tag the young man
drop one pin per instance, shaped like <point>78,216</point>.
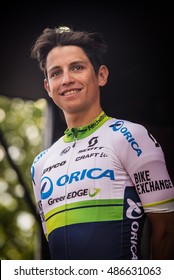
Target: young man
<point>97,183</point>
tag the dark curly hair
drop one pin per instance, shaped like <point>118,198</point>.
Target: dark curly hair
<point>92,44</point>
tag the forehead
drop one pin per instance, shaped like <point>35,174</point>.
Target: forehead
<point>65,55</point>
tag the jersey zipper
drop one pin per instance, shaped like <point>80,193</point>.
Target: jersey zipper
<point>75,140</point>
<point>67,245</point>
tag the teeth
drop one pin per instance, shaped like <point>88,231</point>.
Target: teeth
<point>71,92</point>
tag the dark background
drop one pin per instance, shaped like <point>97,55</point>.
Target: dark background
<point>140,58</point>
<point>139,35</point>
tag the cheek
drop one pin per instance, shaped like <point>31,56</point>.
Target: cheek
<point>90,80</point>
<point>93,83</point>
<point>53,86</point>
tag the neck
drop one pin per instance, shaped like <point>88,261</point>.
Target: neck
<point>75,120</point>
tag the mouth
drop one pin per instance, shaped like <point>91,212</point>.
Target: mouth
<point>70,92</point>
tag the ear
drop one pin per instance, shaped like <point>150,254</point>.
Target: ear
<point>47,87</point>
<point>103,74</point>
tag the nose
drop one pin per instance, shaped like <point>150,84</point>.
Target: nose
<point>67,78</point>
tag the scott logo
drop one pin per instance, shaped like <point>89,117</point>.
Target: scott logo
<point>93,141</point>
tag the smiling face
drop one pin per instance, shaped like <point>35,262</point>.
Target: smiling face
<point>72,83</point>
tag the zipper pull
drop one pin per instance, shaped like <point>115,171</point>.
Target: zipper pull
<point>75,138</point>
<point>75,132</point>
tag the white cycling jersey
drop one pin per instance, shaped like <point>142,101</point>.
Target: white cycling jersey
<point>94,185</point>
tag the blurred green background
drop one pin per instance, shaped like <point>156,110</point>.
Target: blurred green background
<point>22,125</point>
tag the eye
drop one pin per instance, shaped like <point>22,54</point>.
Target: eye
<point>56,73</point>
<point>77,67</point>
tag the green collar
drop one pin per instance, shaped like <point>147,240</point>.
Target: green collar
<point>81,132</point>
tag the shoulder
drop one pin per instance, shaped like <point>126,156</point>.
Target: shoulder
<point>134,138</point>
<point>127,128</point>
<point>42,156</point>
